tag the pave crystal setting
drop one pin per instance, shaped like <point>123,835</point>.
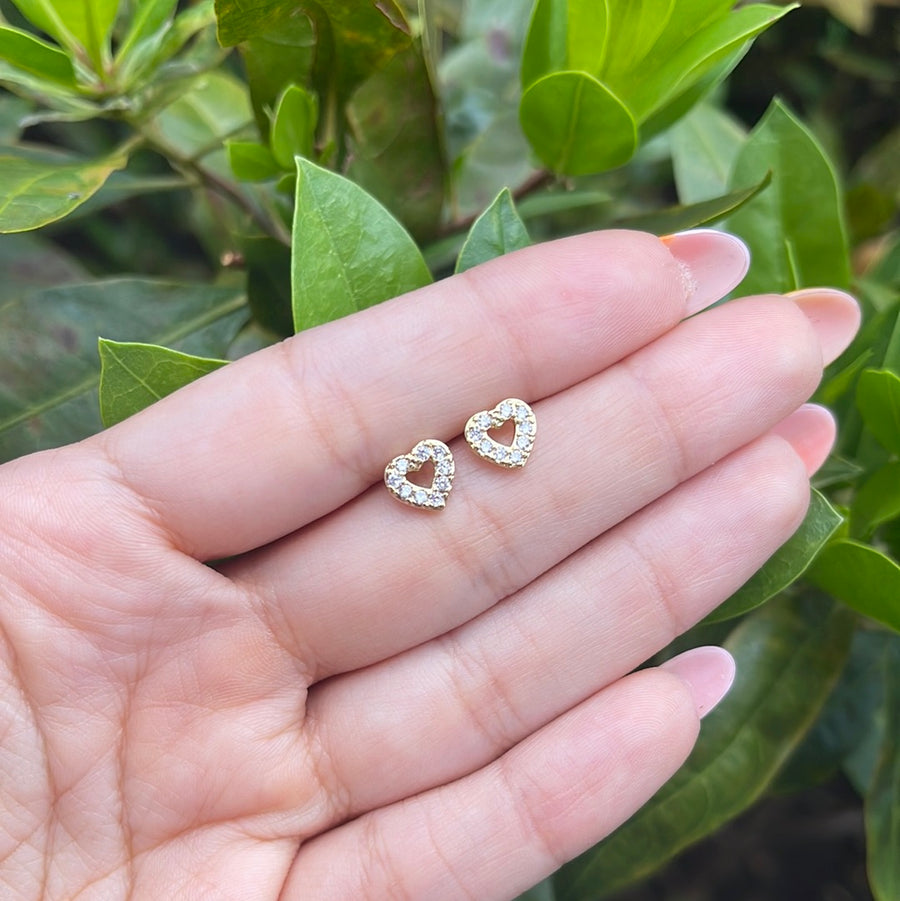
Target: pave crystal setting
<point>432,498</point>
<point>511,456</point>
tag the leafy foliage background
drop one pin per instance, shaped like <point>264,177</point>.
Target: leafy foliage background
<point>191,181</point>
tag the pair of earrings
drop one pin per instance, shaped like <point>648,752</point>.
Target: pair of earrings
<point>510,456</point>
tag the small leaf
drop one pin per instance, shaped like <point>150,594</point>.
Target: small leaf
<point>35,191</point>
<point>497,231</point>
<point>878,400</point>
<point>133,376</point>
<point>349,252</point>
<point>26,52</point>
<point>863,578</point>
<point>787,564</point>
<point>250,161</point>
<point>789,656</point>
<point>49,370</point>
<point>74,23</point>
<point>794,229</point>
<point>148,18</point>
<point>882,809</point>
<point>876,502</point>
<point>705,144</point>
<point>681,218</point>
<point>576,125</point>
<point>294,125</point>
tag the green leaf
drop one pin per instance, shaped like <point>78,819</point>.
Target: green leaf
<point>789,656</point>
<point>681,218</point>
<point>878,400</point>
<point>349,253</point>
<point>648,88</point>
<point>12,111</point>
<point>787,564</point>
<point>705,144</point>
<point>75,23</point>
<point>149,17</point>
<point>26,52</point>
<point>35,191</point>
<point>49,370</point>
<point>882,810</point>
<point>497,231</point>
<point>395,142</point>
<point>211,108</point>
<point>863,578</point>
<point>360,35</point>
<point>30,261</point>
<point>634,26</point>
<point>133,376</point>
<point>576,125</point>
<point>876,502</point>
<point>795,229</point>
<point>250,161</point>
<point>294,125</point>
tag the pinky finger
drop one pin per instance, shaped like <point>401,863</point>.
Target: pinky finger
<point>500,830</point>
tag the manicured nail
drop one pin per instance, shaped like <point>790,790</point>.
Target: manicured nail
<point>835,316</point>
<point>708,673</point>
<point>713,264</point>
<point>810,431</point>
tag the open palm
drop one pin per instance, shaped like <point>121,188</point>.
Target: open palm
<point>361,700</point>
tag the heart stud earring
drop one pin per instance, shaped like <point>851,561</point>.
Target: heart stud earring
<point>433,498</point>
<point>511,456</point>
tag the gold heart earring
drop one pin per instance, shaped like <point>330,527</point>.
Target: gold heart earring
<point>514,455</point>
<point>432,498</point>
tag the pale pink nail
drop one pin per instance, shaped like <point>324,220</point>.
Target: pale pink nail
<point>810,431</point>
<point>835,316</point>
<point>708,672</point>
<point>713,264</point>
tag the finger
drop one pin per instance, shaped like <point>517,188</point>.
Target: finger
<point>502,829</point>
<point>608,447</point>
<point>278,439</point>
<point>460,701</point>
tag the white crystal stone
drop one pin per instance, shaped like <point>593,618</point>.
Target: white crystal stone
<point>421,495</point>
<point>439,452</point>
<point>422,453</point>
<point>476,435</point>
<point>486,445</point>
<point>527,428</point>
<point>406,491</point>
<point>502,454</point>
<point>395,481</point>
<point>402,466</point>
<point>517,456</point>
<point>506,410</point>
<point>521,413</point>
<point>442,483</point>
<point>523,441</point>
<point>435,500</point>
<point>483,420</point>
<point>444,468</point>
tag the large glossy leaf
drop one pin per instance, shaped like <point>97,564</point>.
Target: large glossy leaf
<point>396,143</point>
<point>883,798</point>
<point>349,252</point>
<point>789,655</point>
<point>497,231</point>
<point>878,400</point>
<point>862,577</point>
<point>28,53</point>
<point>633,27</point>
<point>705,144</point>
<point>37,190</point>
<point>787,564</point>
<point>30,261</point>
<point>361,36</point>
<point>75,22</point>
<point>49,369</point>
<point>794,229</point>
<point>134,376</point>
<point>576,125</point>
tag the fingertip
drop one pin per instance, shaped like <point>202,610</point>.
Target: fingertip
<point>708,673</point>
<point>811,432</point>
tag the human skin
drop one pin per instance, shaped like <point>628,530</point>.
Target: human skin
<point>360,700</point>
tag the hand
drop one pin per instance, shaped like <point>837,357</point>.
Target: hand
<point>366,701</point>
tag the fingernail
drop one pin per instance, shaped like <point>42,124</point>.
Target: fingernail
<point>713,263</point>
<point>810,431</point>
<point>835,316</point>
<point>708,673</point>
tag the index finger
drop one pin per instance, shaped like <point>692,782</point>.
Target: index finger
<point>278,439</point>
